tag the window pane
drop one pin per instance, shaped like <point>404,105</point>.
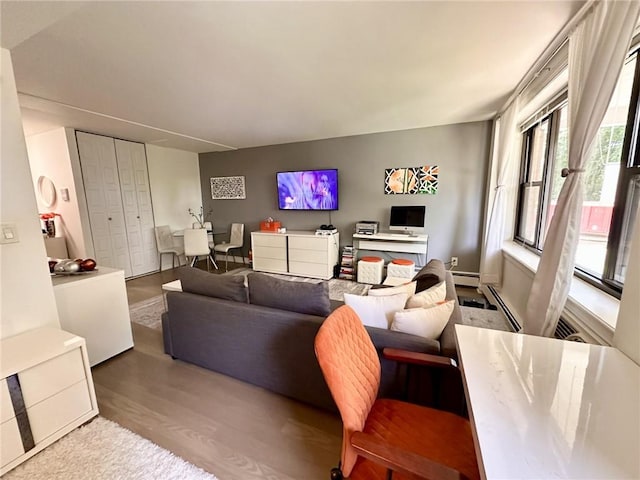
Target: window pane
<point>529,213</point>
<point>560,161</point>
<point>538,152</point>
<point>601,177</point>
<point>630,209</point>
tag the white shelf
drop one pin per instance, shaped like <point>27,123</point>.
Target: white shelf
<point>393,242</point>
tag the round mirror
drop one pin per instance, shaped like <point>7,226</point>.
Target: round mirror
<point>47,191</point>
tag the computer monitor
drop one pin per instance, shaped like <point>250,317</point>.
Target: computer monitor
<point>409,219</point>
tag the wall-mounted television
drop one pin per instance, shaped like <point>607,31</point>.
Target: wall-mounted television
<point>407,218</point>
<point>308,190</point>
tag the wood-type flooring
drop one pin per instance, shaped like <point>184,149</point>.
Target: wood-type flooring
<point>229,428</point>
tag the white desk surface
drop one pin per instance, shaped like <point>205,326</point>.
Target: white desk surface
<point>543,408</point>
<point>392,237</point>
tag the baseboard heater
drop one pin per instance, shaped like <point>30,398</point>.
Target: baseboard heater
<point>466,279</point>
<point>564,330</point>
<point>507,313</point>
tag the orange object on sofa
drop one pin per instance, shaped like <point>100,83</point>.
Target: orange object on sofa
<point>270,226</point>
<point>427,440</point>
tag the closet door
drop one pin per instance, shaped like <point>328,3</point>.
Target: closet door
<point>136,202</point>
<point>104,200</point>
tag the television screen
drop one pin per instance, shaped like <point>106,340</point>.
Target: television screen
<point>308,190</point>
<point>407,217</point>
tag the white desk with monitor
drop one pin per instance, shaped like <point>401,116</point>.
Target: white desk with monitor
<point>548,408</point>
<point>394,242</point>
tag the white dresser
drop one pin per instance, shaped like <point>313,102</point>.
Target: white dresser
<point>46,390</point>
<point>297,253</point>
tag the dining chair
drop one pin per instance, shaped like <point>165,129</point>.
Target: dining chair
<point>164,242</point>
<point>236,241</point>
<point>381,436</point>
<point>196,244</point>
<point>209,227</point>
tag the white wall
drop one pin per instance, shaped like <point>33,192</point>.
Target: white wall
<point>26,293</point>
<point>174,176</point>
<point>627,336</point>
<point>49,156</point>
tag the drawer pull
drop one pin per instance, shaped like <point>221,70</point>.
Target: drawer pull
<point>15,392</point>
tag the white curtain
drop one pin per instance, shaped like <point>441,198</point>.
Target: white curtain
<point>597,50</point>
<point>491,262</point>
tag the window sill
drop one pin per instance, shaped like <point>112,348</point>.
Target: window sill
<point>591,309</point>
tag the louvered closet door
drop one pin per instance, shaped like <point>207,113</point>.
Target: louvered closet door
<point>104,200</point>
<point>136,201</point>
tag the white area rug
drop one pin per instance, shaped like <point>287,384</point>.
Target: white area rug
<point>103,450</point>
<point>148,312</point>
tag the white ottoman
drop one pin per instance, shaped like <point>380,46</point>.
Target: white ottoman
<point>370,270</point>
<point>401,268</point>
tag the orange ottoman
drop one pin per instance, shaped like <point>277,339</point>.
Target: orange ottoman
<point>401,268</point>
<point>370,270</point>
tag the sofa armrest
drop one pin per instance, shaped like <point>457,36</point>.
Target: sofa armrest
<point>401,461</point>
<point>416,358</point>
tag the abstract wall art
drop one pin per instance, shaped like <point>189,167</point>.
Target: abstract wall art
<point>228,188</point>
<point>411,180</point>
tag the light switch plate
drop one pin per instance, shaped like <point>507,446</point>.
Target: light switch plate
<point>8,233</point>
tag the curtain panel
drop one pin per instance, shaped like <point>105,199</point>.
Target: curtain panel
<point>597,50</point>
<point>491,261</point>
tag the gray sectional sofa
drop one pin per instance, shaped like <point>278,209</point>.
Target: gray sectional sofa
<point>264,333</point>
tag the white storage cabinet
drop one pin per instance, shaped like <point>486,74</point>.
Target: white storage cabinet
<point>46,391</point>
<point>94,305</point>
<point>297,253</point>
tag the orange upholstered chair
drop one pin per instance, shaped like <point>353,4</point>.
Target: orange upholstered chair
<point>386,435</point>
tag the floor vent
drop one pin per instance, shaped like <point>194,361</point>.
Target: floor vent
<point>503,307</point>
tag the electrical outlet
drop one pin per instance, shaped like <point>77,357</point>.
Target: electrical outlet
<point>454,262</point>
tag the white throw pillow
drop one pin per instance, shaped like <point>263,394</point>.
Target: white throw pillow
<point>429,297</point>
<point>376,311</point>
<point>408,288</point>
<point>425,322</point>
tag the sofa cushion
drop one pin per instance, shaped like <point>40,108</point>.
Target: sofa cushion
<point>408,288</point>
<point>428,297</point>
<point>227,287</point>
<point>431,274</point>
<point>293,296</point>
<point>376,311</point>
<point>425,322</point>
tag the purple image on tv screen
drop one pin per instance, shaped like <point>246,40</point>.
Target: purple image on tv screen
<point>308,190</point>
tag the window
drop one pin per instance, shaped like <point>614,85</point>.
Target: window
<point>611,182</point>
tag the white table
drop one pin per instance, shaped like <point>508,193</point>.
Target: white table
<point>544,408</point>
<point>394,242</point>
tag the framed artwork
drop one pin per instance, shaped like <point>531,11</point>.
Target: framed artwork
<point>411,180</point>
<point>228,188</point>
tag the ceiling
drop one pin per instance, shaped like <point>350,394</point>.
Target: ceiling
<point>212,76</point>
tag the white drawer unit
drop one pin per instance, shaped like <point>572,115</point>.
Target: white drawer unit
<point>269,252</point>
<point>297,253</point>
<point>46,390</point>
